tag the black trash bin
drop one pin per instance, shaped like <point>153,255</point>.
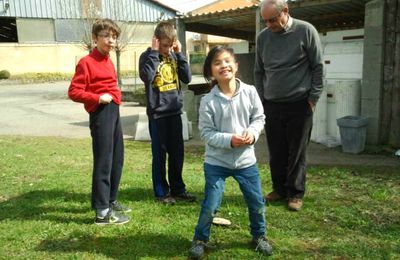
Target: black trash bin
<point>353,133</point>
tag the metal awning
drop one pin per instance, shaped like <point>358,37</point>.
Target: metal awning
<point>325,15</point>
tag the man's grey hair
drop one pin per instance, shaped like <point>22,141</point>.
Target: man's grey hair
<point>279,4</point>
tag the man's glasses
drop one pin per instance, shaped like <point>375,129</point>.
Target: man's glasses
<point>273,19</point>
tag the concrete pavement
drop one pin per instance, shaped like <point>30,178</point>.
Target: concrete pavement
<point>45,110</point>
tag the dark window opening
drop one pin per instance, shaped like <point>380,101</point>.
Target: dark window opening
<point>8,29</point>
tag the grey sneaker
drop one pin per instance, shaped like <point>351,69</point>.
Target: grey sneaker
<point>261,245</point>
<point>198,249</point>
<point>112,218</point>
<point>116,206</point>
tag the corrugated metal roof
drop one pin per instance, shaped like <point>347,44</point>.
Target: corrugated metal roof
<point>325,15</point>
<point>223,5</point>
<point>127,10</point>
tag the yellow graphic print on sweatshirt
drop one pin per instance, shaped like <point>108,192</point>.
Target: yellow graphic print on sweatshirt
<point>166,76</point>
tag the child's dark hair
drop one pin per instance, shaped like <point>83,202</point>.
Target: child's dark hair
<point>165,30</point>
<point>209,59</point>
<point>105,24</point>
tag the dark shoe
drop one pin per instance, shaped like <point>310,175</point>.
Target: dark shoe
<point>112,218</point>
<point>273,196</point>
<point>166,200</point>
<point>116,206</point>
<point>295,204</point>
<point>185,196</point>
<point>261,245</point>
<point>198,249</point>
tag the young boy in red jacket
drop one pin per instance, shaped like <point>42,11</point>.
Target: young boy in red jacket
<point>95,85</point>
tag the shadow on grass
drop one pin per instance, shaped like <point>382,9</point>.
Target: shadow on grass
<point>59,205</point>
<point>52,205</point>
<point>135,194</point>
<point>120,247</point>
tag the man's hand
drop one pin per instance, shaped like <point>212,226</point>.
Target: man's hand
<point>105,99</point>
<point>155,43</point>
<point>312,105</point>
<point>177,46</point>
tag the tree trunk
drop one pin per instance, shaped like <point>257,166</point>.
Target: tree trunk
<point>118,55</point>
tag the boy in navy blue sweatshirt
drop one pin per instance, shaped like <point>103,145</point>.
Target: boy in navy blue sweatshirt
<point>162,66</point>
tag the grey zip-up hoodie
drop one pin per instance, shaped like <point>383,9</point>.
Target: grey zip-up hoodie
<point>220,117</point>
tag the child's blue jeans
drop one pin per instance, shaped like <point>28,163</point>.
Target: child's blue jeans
<point>250,185</point>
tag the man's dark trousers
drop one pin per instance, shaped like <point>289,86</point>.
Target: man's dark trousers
<point>166,138</point>
<point>108,154</point>
<point>288,128</point>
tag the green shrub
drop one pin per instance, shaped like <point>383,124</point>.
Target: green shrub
<point>4,74</point>
<point>39,77</point>
<point>197,57</point>
<point>132,93</point>
<point>128,73</point>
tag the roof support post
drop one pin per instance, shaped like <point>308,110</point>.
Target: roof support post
<point>181,33</point>
<point>259,23</point>
<point>373,68</point>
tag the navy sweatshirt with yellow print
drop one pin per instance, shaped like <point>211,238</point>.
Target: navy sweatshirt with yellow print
<point>161,77</point>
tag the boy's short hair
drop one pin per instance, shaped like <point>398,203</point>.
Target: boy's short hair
<point>105,24</point>
<point>165,30</point>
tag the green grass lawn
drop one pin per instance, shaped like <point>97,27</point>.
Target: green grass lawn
<point>349,212</point>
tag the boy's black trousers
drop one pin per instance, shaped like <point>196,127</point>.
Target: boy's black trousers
<point>288,128</point>
<point>108,154</point>
<point>166,138</point>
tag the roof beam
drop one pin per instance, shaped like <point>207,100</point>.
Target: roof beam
<point>308,3</point>
<point>215,30</point>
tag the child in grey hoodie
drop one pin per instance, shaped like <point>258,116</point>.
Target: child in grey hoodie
<point>231,118</point>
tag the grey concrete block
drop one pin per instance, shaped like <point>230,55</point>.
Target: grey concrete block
<point>370,88</point>
<point>372,138</point>
<point>374,13</point>
<point>142,127</point>
<point>189,105</point>
<point>371,108</point>
<point>185,126</point>
<point>374,36</point>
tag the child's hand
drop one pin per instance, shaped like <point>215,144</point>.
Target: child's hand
<point>237,141</point>
<point>248,137</point>
<point>177,46</point>
<point>105,99</point>
<point>155,43</point>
